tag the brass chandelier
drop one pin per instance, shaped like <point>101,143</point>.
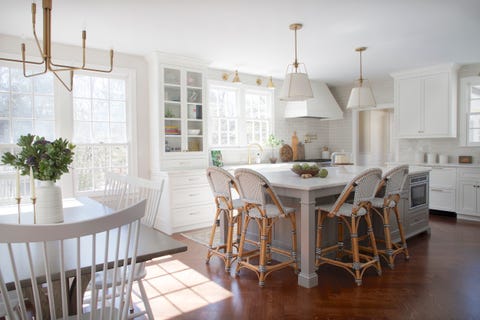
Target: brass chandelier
<point>46,50</point>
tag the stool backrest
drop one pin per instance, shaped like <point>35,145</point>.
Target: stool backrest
<point>221,183</point>
<point>33,255</point>
<point>255,188</point>
<point>364,187</point>
<point>395,179</point>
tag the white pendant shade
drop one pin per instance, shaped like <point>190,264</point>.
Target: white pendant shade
<point>361,96</point>
<point>296,87</point>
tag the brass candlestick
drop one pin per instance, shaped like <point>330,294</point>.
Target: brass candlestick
<point>34,200</point>
<point>19,199</point>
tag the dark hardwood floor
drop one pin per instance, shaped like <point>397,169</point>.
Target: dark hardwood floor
<point>440,281</point>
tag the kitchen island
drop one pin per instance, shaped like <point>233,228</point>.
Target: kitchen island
<point>304,194</point>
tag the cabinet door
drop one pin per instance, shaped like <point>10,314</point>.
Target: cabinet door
<point>436,105</point>
<point>409,107</point>
<point>468,197</point>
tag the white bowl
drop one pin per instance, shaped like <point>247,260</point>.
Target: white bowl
<point>193,131</point>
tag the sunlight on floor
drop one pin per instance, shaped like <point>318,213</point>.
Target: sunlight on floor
<point>174,288</point>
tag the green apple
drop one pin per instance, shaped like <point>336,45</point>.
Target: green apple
<point>323,173</point>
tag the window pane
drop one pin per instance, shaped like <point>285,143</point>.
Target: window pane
<point>82,109</point>
<point>100,156</point>
<point>100,88</point>
<point>475,105</point>
<point>45,129</point>
<point>100,110</point>
<point>99,179</point>
<point>82,132</point>
<point>475,121</point>
<point>4,105</point>
<point>84,180</point>
<point>4,79</point>
<point>118,132</point>
<point>119,156</point>
<point>22,106</point>
<point>82,88</point>
<point>43,84</point>
<point>474,135</point>
<point>5,131</point>
<point>117,89</point>
<point>19,83</point>
<point>117,111</point>
<point>100,131</point>
<point>475,92</point>
<point>44,107</point>
<point>21,127</point>
<point>83,156</point>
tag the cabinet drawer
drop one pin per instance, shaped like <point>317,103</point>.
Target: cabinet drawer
<point>192,216</point>
<point>188,181</point>
<point>469,174</point>
<point>179,164</point>
<point>192,196</point>
<point>442,199</point>
<point>443,177</point>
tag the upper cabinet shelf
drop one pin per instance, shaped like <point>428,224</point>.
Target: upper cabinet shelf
<point>426,102</point>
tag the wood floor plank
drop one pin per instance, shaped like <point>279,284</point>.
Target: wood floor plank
<point>440,281</point>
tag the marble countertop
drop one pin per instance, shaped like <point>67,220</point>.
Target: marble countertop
<point>446,165</point>
<point>280,175</point>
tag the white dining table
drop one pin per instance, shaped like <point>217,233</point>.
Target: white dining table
<point>152,243</point>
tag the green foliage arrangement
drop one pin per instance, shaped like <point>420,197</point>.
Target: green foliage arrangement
<point>273,141</point>
<point>48,159</point>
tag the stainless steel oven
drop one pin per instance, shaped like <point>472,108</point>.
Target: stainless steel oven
<point>418,191</point>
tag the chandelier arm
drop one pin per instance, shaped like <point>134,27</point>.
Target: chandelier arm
<point>296,61</point>
<point>21,61</point>
<point>84,40</point>
<point>63,82</point>
<point>25,67</point>
<point>34,13</point>
<point>66,67</point>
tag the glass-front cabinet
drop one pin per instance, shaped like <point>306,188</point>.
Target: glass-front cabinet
<point>177,112</point>
<point>183,110</point>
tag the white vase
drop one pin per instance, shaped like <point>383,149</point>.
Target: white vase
<point>49,207</point>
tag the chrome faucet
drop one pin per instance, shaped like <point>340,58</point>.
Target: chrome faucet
<point>250,147</point>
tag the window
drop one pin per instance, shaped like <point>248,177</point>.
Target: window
<point>239,115</point>
<point>26,106</point>
<point>100,130</point>
<point>470,115</point>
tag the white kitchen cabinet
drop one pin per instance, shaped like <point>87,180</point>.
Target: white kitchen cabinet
<point>177,112</point>
<point>468,193</point>
<point>426,102</point>
<point>187,202</point>
<point>443,188</point>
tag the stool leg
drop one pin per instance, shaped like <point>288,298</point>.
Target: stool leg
<point>373,242</point>
<point>229,255</point>
<point>216,221</point>
<point>239,220</point>
<point>263,252</point>
<point>294,240</point>
<point>388,238</point>
<point>242,243</point>
<point>340,242</point>
<point>268,254</point>
<point>320,226</point>
<point>402,233</point>
<point>356,265</point>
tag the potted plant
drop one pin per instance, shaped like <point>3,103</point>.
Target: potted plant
<point>45,161</point>
<point>273,142</point>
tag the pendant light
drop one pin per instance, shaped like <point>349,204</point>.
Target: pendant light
<point>361,96</point>
<point>296,86</point>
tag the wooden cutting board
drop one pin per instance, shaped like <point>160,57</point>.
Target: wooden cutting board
<point>286,153</point>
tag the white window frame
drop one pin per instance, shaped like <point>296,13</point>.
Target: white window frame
<point>63,102</point>
<point>241,91</point>
<point>465,85</point>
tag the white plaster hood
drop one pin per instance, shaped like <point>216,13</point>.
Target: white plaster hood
<point>322,106</point>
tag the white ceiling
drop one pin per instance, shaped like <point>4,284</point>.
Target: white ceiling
<point>253,35</point>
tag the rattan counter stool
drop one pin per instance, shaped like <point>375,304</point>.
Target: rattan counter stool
<point>221,183</point>
<point>263,206</point>
<point>363,188</point>
<point>391,185</point>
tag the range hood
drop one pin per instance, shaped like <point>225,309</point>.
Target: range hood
<point>322,106</point>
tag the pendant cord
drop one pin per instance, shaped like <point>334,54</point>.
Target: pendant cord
<point>296,62</point>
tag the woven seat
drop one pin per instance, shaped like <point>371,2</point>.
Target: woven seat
<point>221,183</point>
<point>263,205</point>
<point>363,186</point>
<point>393,182</point>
